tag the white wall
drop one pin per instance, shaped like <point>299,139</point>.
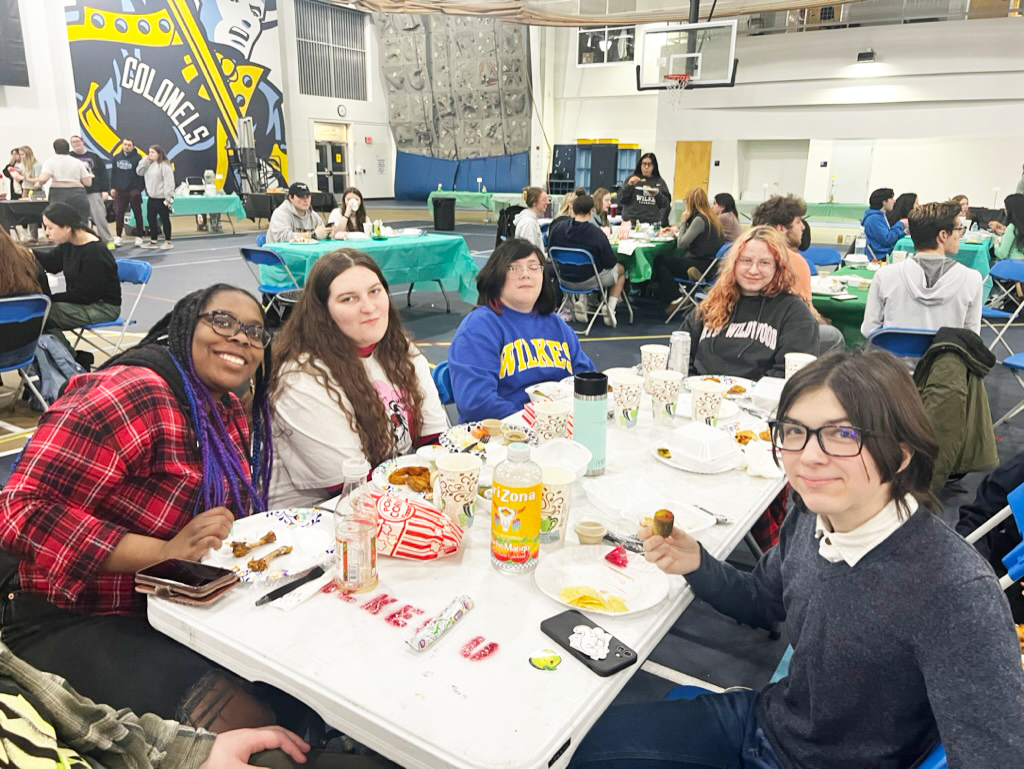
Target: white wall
<point>46,109</point>
<point>365,118</point>
<point>944,104</point>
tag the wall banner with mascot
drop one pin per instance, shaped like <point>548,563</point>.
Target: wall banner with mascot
<point>180,73</point>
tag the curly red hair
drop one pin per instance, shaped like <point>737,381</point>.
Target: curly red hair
<point>725,293</point>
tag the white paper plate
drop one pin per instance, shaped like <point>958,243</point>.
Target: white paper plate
<point>640,585</point>
<point>732,381</point>
<point>550,391</point>
<point>456,438</point>
<point>681,462</point>
<point>379,477</point>
<point>299,527</point>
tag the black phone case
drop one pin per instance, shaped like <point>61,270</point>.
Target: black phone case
<point>561,626</point>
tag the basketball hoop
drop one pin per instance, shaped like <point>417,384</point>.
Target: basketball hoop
<point>676,85</point>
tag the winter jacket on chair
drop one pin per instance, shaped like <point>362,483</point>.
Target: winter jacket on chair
<point>951,380</point>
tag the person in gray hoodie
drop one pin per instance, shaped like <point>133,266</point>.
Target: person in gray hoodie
<point>156,169</point>
<point>928,290</point>
<point>296,216</point>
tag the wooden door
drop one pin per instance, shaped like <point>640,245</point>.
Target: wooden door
<point>693,165</point>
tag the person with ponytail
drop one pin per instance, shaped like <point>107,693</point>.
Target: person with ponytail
<point>151,457</point>
<point>349,383</point>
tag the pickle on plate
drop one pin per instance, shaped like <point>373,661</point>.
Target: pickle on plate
<point>663,521</point>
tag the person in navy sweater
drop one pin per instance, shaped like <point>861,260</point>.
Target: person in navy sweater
<point>514,339</point>
<point>880,236</point>
<point>901,635</point>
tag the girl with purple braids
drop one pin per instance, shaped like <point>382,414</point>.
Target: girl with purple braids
<point>151,457</point>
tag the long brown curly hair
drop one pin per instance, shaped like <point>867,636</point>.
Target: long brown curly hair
<point>312,343</point>
<point>19,274</point>
<point>725,293</point>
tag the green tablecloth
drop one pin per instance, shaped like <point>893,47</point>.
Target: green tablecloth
<point>846,315</point>
<point>463,199</point>
<point>403,260</point>
<point>638,264</point>
<point>193,205</point>
<point>977,256</point>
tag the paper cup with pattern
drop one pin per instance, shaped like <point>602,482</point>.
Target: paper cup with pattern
<point>456,486</point>
<point>706,400</point>
<point>653,357</point>
<point>626,389</point>
<point>664,394</point>
<point>551,419</point>
<point>554,504</point>
<point>796,361</point>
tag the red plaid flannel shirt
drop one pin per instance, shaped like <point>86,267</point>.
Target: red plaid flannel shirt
<point>115,455</point>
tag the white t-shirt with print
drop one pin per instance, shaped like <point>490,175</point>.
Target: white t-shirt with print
<point>312,437</point>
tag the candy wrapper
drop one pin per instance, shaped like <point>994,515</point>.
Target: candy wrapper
<point>415,530</point>
<point>437,626</point>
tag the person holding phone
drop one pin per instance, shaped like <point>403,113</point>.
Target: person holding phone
<point>883,604</point>
<point>349,216</point>
<point>151,457</point>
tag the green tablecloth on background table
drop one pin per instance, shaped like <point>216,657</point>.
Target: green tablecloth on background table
<point>193,205</point>
<point>462,199</point>
<point>977,256</point>
<point>403,260</point>
<point>846,315</point>
<point>638,264</point>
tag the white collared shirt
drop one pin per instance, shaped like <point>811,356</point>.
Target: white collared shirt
<point>852,546</point>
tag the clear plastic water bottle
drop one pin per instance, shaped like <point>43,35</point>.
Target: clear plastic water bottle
<point>515,512</point>
<point>355,531</point>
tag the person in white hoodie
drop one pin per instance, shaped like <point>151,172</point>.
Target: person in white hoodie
<point>929,289</point>
<point>156,169</point>
<point>527,221</point>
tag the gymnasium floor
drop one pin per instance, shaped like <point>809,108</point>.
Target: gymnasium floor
<point>702,644</point>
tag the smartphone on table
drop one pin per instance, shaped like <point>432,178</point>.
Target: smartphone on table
<point>591,644</point>
<point>189,582</point>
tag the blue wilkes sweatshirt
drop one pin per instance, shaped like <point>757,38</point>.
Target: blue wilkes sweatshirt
<point>494,358</point>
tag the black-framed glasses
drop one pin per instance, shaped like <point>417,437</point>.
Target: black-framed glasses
<point>961,229</point>
<point>227,325</point>
<point>834,440</point>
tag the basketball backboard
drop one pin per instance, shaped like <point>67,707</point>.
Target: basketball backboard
<point>706,51</point>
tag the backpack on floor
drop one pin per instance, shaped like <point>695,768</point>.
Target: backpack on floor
<point>55,365</point>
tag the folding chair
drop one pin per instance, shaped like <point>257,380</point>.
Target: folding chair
<point>264,257</point>
<point>133,272</point>
<point>821,256</point>
<point>689,289</point>
<point>1010,272</point>
<point>579,257</point>
<point>902,342</point>
<point>443,382</point>
<point>14,312</point>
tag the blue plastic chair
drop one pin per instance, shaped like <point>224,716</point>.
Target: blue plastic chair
<point>1011,273</point>
<point>822,256</point>
<point>443,382</point>
<point>134,272</point>
<point>261,240</point>
<point>17,310</point>
<point>723,251</point>
<point>257,257</point>
<point>902,342</point>
<point>562,256</point>
<point>814,269</point>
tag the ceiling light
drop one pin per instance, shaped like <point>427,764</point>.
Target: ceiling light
<point>866,56</point>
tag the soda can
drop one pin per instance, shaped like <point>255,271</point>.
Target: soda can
<point>679,352</point>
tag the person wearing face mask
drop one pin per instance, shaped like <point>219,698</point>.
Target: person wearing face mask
<point>514,339</point>
<point>883,605</point>
<point>349,382</point>
<point>751,318</point>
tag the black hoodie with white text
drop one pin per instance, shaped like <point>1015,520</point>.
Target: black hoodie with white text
<point>754,342</point>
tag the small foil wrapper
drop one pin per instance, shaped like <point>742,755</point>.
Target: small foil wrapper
<point>437,626</point>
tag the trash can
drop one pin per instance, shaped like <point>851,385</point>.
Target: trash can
<point>444,214</point>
